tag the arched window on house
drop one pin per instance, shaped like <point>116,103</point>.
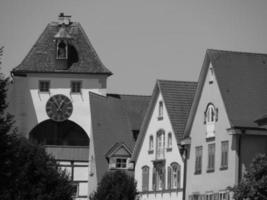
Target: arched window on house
<point>174,176</point>
<point>169,143</point>
<point>151,144</point>
<point>145,178</point>
<point>160,117</point>
<point>160,145</point>
<point>211,116</point>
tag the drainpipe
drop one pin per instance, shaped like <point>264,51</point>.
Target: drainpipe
<point>185,170</point>
<point>240,156</point>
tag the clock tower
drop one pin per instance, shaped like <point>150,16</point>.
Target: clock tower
<point>50,95</point>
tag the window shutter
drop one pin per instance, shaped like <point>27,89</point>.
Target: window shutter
<point>154,179</point>
<point>217,114</point>
<point>169,177</point>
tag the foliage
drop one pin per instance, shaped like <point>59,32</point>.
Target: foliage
<point>26,171</point>
<point>115,185</point>
<point>254,183</point>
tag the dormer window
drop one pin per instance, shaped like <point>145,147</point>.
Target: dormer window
<point>62,50</point>
<point>211,116</point>
<point>160,117</point>
<point>44,86</point>
<point>121,163</point>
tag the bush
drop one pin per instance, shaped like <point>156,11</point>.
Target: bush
<point>115,185</point>
<point>254,183</point>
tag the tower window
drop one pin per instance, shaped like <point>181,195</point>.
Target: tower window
<point>76,86</point>
<point>62,50</point>
<point>44,86</point>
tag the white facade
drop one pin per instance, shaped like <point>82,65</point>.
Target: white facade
<point>219,179</point>
<point>167,154</point>
<point>28,105</point>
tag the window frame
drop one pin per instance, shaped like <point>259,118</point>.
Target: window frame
<point>211,157</point>
<point>151,144</point>
<point>198,159</point>
<point>169,141</point>
<point>145,188</point>
<point>174,179</point>
<point>72,84</point>
<point>40,84</point>
<point>160,139</point>
<point>224,154</point>
<point>160,110</point>
<point>117,162</point>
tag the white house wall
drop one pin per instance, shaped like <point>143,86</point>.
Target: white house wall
<point>145,159</point>
<point>219,179</point>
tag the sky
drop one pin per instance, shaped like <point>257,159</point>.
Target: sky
<point>141,41</point>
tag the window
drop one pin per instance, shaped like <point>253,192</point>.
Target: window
<point>145,178</point>
<point>61,50</point>
<point>121,163</point>
<point>174,176</point>
<point>211,75</point>
<point>211,157</point>
<point>210,117</point>
<point>224,160</point>
<point>76,189</point>
<point>151,144</point>
<point>76,86</point>
<point>198,162</point>
<point>160,145</point>
<point>160,110</point>
<point>159,176</point>
<point>169,144</point>
<point>44,86</point>
<point>224,195</point>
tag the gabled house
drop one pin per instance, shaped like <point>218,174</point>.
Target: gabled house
<point>226,126</point>
<point>158,163</point>
<point>116,121</point>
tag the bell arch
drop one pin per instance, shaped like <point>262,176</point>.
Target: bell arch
<point>67,133</point>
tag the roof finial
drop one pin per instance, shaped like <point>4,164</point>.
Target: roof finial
<point>64,19</point>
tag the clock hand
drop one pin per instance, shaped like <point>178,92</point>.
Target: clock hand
<point>60,105</point>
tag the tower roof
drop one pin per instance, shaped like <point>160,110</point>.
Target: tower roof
<point>42,56</point>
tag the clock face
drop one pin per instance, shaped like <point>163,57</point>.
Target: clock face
<point>59,108</point>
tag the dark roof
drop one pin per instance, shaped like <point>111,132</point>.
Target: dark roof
<point>178,97</point>
<point>42,56</point>
<point>113,119</point>
<point>242,80</point>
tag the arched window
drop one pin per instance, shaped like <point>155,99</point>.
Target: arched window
<point>151,143</point>
<point>145,178</point>
<point>160,117</point>
<point>160,145</point>
<point>211,116</point>
<point>61,50</point>
<point>174,176</point>
<point>169,144</point>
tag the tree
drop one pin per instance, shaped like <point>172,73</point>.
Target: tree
<point>26,171</point>
<point>254,183</point>
<point>115,185</point>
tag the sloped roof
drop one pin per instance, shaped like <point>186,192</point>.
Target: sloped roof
<point>242,80</point>
<point>112,123</point>
<point>178,97</point>
<point>42,56</point>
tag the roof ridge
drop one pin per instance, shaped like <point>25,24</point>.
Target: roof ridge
<point>141,95</point>
<point>236,52</point>
<point>177,81</point>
